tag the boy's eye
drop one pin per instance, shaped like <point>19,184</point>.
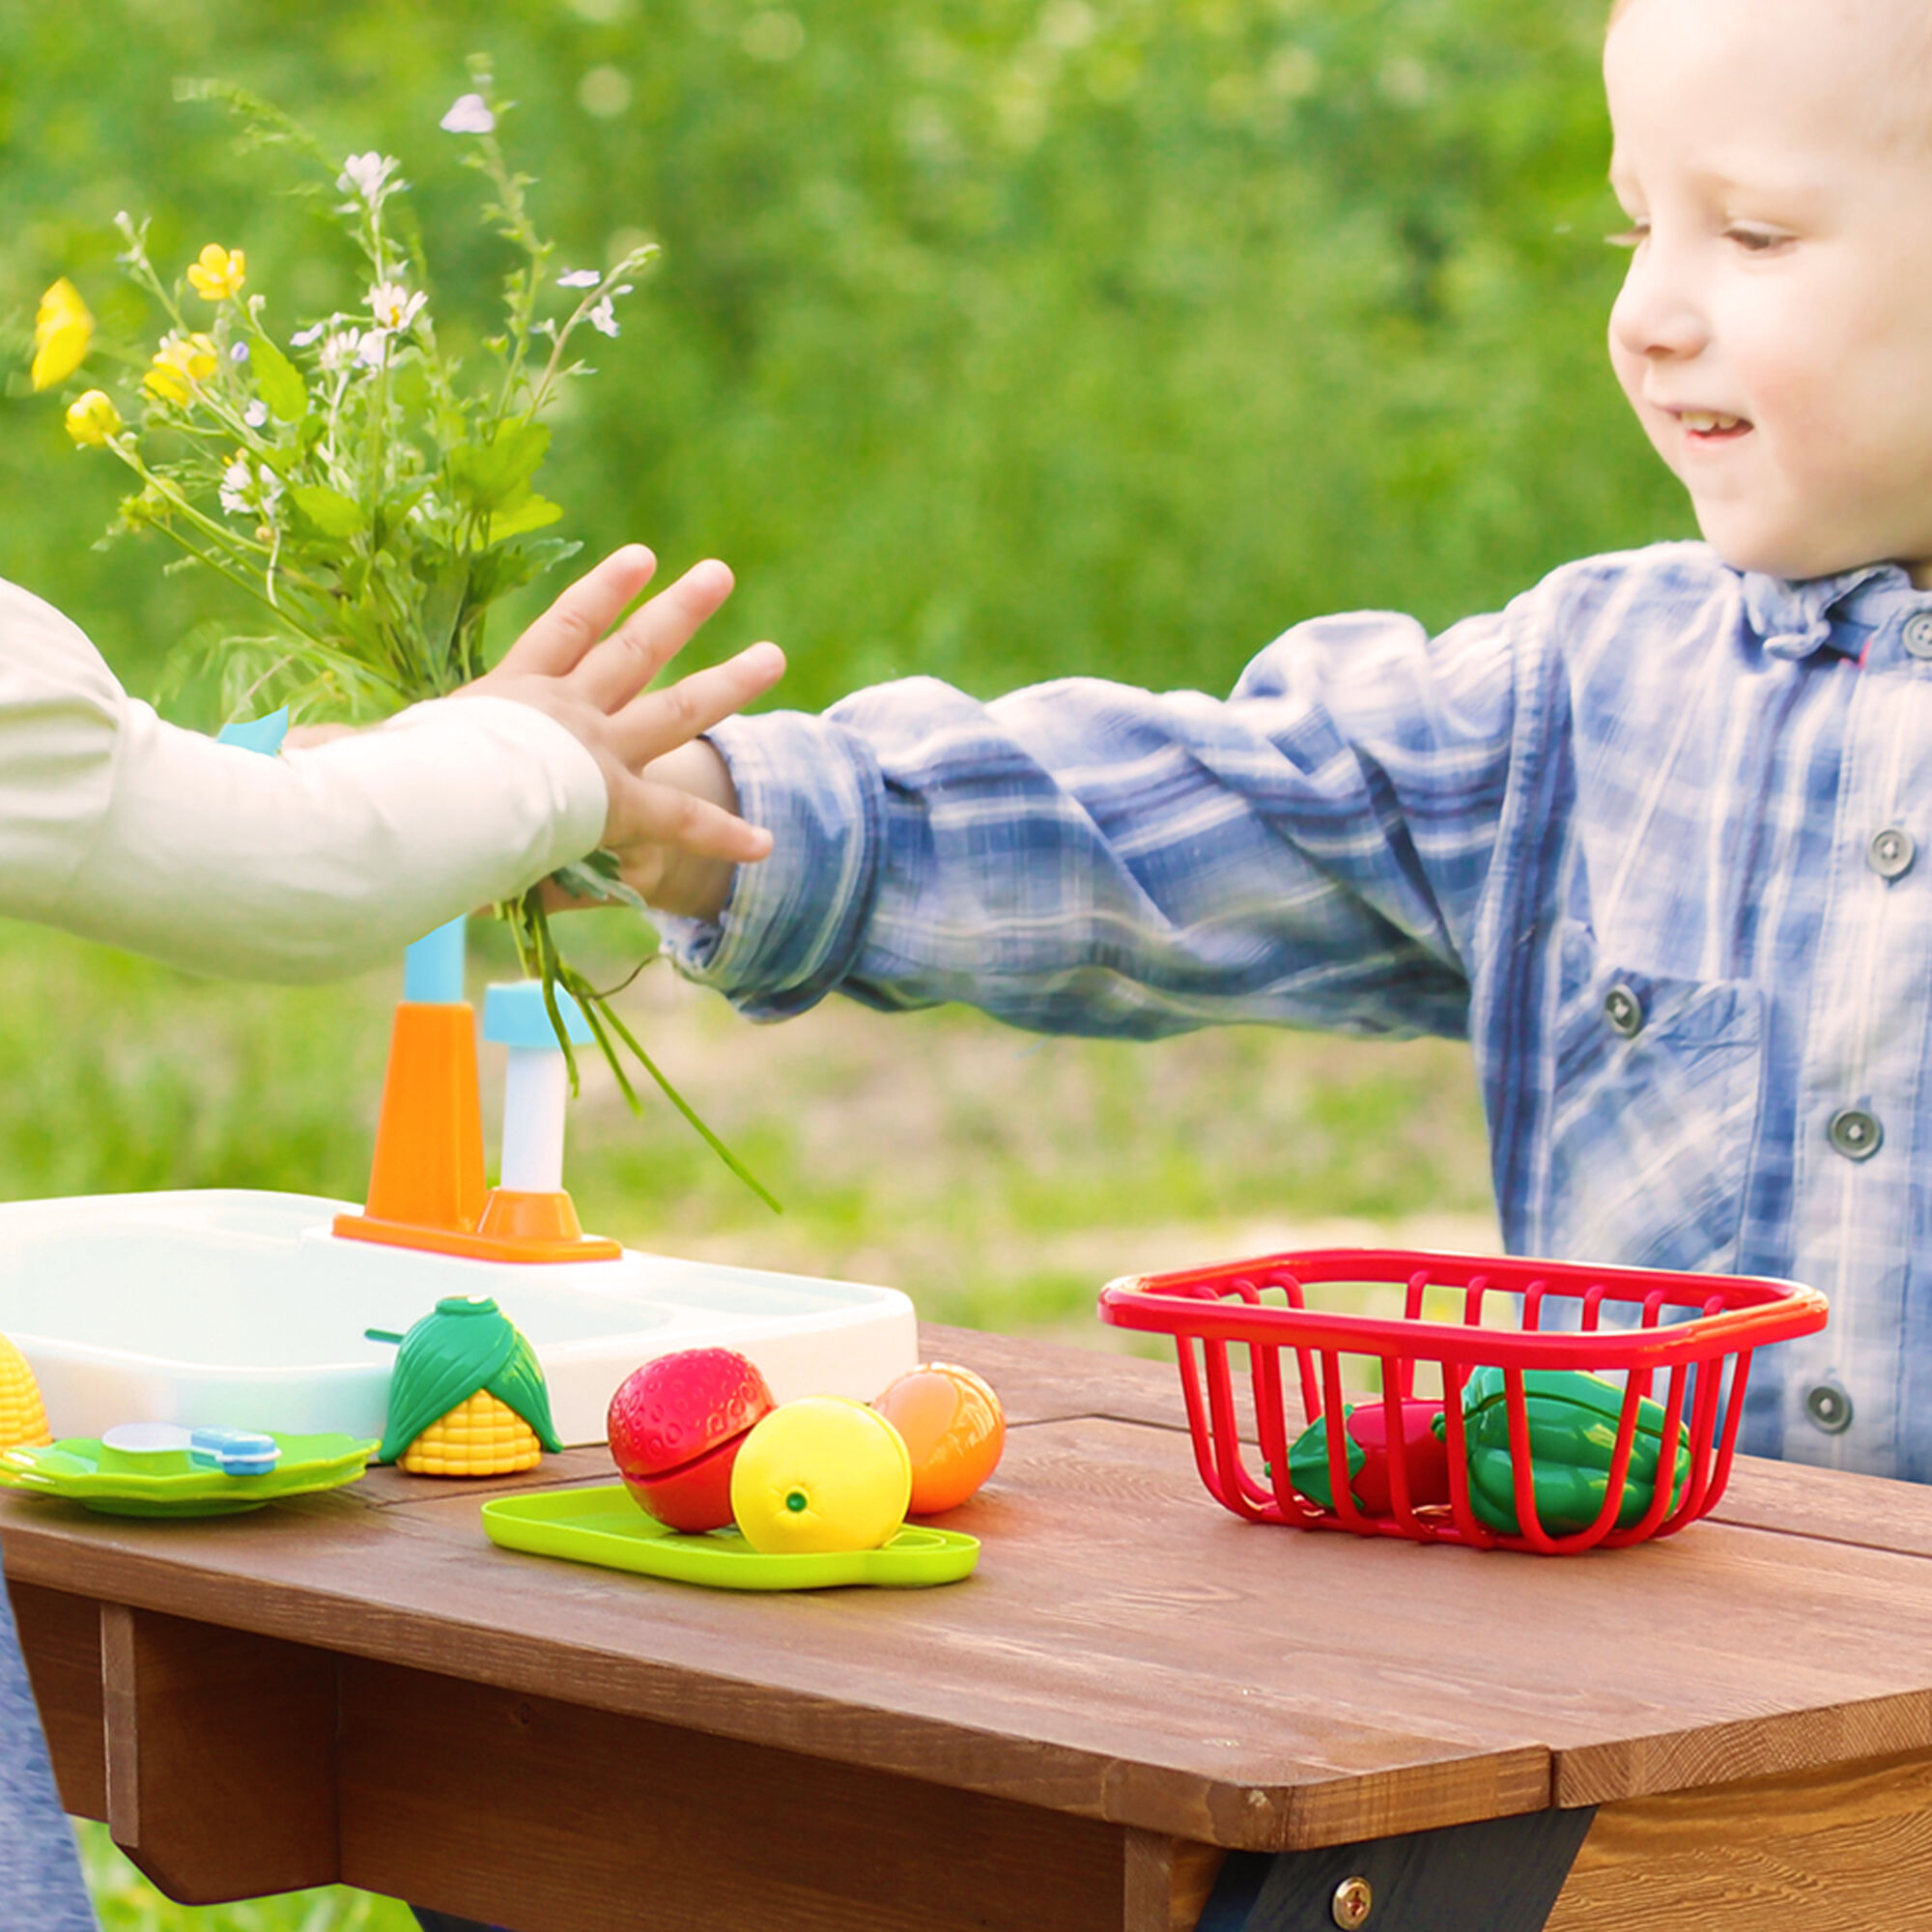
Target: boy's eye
<point>1628,238</point>
<point>1755,240</point>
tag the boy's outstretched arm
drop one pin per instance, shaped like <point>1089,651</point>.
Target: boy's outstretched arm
<point>672,817</point>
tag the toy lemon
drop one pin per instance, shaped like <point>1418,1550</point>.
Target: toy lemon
<point>24,1417</point>
<point>467,1397</point>
<point>821,1475</point>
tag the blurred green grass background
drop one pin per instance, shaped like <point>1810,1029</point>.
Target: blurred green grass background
<point>994,340</point>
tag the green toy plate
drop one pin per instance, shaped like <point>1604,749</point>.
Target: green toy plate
<point>170,1484</point>
<point>602,1525</point>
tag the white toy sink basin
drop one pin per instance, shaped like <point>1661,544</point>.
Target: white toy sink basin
<point>231,1307</point>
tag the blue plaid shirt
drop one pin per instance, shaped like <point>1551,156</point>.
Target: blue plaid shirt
<point>1656,839</point>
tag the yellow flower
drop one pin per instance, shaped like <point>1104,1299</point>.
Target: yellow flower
<point>181,362</point>
<point>92,418</point>
<point>218,274</point>
<point>61,331</point>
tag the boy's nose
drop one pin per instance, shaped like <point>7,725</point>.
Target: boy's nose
<point>1654,315</point>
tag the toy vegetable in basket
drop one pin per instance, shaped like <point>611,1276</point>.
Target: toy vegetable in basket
<point>467,1397</point>
<point>1555,1364</point>
<point>1573,1421</point>
<point>1365,1432</point>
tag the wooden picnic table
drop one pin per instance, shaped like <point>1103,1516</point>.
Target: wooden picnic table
<point>1140,1714</point>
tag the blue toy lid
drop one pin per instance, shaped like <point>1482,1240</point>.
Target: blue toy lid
<point>514,1015</point>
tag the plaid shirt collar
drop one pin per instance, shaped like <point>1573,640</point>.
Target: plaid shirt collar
<point>1834,613</point>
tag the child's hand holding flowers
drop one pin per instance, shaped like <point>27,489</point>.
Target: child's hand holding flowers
<point>372,505</point>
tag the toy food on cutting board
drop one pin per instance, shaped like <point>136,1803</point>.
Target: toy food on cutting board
<point>676,1427</point>
<point>23,1416</point>
<point>954,1431</point>
<point>737,1492</point>
<point>1572,1419</point>
<point>821,1475</point>
<point>467,1397</point>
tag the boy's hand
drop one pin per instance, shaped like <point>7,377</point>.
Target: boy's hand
<point>675,826</point>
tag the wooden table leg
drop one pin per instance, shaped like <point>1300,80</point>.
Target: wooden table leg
<point>60,1638</point>
<point>219,1757</point>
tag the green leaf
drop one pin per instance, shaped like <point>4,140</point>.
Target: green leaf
<point>329,510</point>
<point>491,475</point>
<point>510,566</point>
<point>587,878</point>
<point>527,513</point>
<point>277,379</point>
<point>441,606</point>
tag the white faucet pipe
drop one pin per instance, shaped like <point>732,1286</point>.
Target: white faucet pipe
<point>536,1087</point>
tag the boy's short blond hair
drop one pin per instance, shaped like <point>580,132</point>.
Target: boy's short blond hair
<point>1911,68</point>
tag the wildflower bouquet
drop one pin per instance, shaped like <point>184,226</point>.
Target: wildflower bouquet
<point>368,496</point>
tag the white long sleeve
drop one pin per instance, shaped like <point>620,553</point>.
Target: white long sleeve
<point>122,827</point>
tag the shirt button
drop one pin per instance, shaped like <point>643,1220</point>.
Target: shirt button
<point>1855,1133</point>
<point>1891,852</point>
<point>1828,1407</point>
<point>1625,1010</point>
<point>1919,633</point>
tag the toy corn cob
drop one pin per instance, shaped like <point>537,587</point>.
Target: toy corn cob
<point>467,1397</point>
<point>24,1417</point>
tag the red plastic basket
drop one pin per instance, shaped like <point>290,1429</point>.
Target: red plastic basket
<point>1684,1340</point>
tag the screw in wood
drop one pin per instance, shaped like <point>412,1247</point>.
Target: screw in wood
<point>1354,1898</point>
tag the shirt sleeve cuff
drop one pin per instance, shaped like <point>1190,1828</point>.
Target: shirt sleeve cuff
<point>794,922</point>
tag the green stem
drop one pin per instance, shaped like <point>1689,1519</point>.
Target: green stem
<point>539,956</point>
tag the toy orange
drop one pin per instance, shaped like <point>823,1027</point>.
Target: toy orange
<point>953,1429</point>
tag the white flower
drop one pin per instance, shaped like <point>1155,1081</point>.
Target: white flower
<point>373,350</point>
<point>469,114</point>
<point>235,482</point>
<point>578,278</point>
<point>368,175</point>
<point>302,337</point>
<point>603,317</point>
<point>247,488</point>
<point>339,349</point>
<point>256,413</point>
<point>393,307</point>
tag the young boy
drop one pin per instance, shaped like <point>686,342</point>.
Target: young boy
<point>325,861</point>
<point>1657,837</point>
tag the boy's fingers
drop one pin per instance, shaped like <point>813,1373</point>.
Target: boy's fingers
<point>643,813</point>
<point>559,640</point>
<point>652,725</point>
<point>631,656</point>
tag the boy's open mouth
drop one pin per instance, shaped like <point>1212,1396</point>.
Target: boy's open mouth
<point>1707,426</point>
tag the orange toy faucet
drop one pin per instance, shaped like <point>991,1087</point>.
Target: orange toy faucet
<point>427,1176</point>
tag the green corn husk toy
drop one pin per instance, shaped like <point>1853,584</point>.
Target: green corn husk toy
<point>465,1346</point>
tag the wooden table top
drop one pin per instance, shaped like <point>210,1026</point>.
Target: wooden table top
<point>1127,1650</point>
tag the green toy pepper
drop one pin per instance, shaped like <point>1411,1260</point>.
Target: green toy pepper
<point>1572,1420</point>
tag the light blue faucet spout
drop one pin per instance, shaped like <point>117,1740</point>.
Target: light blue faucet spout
<point>433,967</point>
